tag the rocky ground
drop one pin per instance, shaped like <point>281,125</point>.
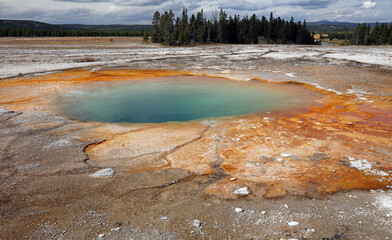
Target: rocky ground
<point>320,172</point>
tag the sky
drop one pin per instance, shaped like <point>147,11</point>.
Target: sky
<point>141,11</point>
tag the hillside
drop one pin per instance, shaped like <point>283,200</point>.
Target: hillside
<point>107,27</point>
<point>326,25</point>
<point>26,24</point>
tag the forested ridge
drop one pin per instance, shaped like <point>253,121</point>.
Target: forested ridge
<point>10,32</point>
<point>170,30</point>
<point>26,28</point>
<point>220,29</point>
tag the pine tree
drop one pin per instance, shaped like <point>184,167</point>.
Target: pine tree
<point>166,29</point>
<point>176,31</point>
<point>253,29</point>
<point>243,31</point>
<point>356,35</point>
<point>390,35</point>
<point>192,28</point>
<point>208,31</point>
<point>145,36</point>
<point>183,37</point>
<point>292,31</point>
<point>156,21</point>
<point>263,26</point>
<point>222,27</point>
<point>200,27</point>
<point>390,39</point>
<point>299,33</point>
<point>367,33</point>
<point>271,29</point>
<point>170,28</point>
<point>375,35</point>
<point>384,33</point>
<point>306,36</point>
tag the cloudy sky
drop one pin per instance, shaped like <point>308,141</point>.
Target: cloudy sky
<point>141,11</point>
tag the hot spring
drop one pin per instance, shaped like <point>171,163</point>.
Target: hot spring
<point>174,99</point>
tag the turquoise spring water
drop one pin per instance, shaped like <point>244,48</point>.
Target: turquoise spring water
<point>174,99</point>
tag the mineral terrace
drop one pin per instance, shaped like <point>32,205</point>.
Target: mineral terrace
<point>323,171</point>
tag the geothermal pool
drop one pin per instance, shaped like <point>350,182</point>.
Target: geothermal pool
<point>174,99</point>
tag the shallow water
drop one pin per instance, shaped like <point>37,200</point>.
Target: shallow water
<point>327,43</point>
<point>176,99</point>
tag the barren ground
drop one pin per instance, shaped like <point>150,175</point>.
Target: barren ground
<point>320,172</point>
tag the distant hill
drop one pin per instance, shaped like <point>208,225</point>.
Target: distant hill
<point>325,25</point>
<point>326,22</point>
<point>26,24</point>
<point>117,27</point>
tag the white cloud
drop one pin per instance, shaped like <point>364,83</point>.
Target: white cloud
<point>369,4</point>
<point>141,11</point>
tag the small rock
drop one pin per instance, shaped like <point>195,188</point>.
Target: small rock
<point>293,223</point>
<point>267,138</point>
<point>285,154</point>
<point>115,229</point>
<point>197,223</point>
<point>239,210</point>
<point>164,218</point>
<point>263,212</point>
<point>281,160</point>
<point>107,172</point>
<point>233,179</point>
<point>241,191</point>
<point>286,206</point>
<point>101,235</point>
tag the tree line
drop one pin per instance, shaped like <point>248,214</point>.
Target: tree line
<point>364,34</point>
<point>10,32</point>
<point>170,30</point>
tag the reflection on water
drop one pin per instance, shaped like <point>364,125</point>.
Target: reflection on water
<point>175,99</point>
<point>327,43</point>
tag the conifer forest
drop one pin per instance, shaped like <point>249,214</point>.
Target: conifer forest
<point>170,30</point>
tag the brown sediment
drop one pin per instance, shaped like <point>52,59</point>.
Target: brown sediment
<point>300,152</point>
<point>69,42</point>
